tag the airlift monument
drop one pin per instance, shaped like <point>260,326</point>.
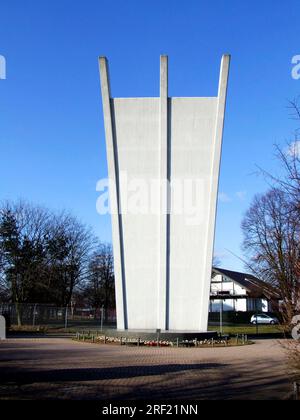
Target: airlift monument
<point>163,260</point>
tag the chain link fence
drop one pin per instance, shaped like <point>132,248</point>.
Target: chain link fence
<point>75,318</point>
<point>36,314</point>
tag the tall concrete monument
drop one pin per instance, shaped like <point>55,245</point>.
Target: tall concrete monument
<point>163,259</point>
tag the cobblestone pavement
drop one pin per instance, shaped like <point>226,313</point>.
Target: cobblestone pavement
<point>64,369</point>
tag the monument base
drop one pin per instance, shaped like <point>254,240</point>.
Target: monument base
<point>150,335</point>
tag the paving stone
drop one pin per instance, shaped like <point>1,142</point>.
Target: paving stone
<point>53,368</point>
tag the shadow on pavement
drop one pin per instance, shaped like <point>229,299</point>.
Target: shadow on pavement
<point>14,376</point>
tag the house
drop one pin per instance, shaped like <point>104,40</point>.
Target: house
<point>241,292</point>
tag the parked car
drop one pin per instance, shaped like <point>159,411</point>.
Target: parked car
<point>264,319</point>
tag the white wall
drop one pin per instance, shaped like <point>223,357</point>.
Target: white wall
<point>163,264</point>
<point>192,124</point>
<point>265,305</point>
<point>136,132</point>
<point>221,284</point>
<point>241,305</point>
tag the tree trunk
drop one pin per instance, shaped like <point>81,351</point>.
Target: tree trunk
<point>18,313</point>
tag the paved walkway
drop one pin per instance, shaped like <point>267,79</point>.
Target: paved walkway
<point>63,369</point>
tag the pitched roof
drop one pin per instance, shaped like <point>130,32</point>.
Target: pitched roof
<point>251,283</point>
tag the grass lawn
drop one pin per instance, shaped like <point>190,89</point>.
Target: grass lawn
<point>247,329</point>
<point>231,329</point>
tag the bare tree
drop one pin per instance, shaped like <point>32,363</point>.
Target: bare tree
<point>271,229</point>
<point>69,246</point>
<point>22,228</point>
<point>100,287</point>
<point>271,232</point>
<point>43,256</point>
<point>271,226</point>
<point>289,158</point>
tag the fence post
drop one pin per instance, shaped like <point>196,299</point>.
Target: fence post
<point>221,317</point>
<point>66,318</point>
<point>296,390</point>
<point>34,310</point>
<point>158,331</point>
<point>102,316</point>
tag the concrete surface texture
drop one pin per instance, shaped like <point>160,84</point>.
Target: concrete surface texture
<point>62,369</point>
<point>163,254</point>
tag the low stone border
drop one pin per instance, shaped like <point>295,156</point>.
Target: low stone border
<point>221,341</point>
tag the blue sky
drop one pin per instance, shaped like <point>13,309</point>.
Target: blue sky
<point>52,145</point>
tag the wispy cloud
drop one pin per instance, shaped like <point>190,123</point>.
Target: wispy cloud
<point>221,254</point>
<point>224,198</point>
<point>241,195</point>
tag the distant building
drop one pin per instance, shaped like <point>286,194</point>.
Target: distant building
<point>241,292</point>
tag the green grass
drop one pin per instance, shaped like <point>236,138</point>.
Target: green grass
<point>247,329</point>
<point>231,329</point>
